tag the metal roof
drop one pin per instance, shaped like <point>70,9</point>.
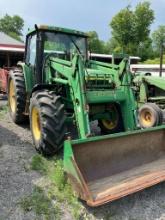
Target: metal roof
<point>7,40</point>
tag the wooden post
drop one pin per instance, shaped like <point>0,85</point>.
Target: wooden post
<point>161,59</point>
<point>8,59</point>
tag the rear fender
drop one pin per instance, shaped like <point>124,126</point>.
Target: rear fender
<point>28,76</point>
<point>39,87</point>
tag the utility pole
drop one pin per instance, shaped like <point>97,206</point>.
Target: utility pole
<point>161,58</point>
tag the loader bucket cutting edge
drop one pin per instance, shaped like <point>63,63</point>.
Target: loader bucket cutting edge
<point>103,169</point>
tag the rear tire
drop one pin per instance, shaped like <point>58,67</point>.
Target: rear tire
<point>47,122</point>
<point>17,95</point>
<point>160,112</point>
<point>150,115</point>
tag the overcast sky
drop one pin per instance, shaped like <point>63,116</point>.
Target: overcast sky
<point>85,15</point>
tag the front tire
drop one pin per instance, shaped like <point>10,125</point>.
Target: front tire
<point>17,95</point>
<point>47,122</point>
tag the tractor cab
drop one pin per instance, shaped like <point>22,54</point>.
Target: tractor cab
<point>46,41</point>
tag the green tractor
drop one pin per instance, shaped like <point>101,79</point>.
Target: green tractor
<point>58,86</point>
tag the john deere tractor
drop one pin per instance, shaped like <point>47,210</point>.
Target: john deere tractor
<point>58,85</point>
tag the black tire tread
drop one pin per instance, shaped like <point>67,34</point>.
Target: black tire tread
<point>18,79</point>
<point>156,107</point>
<point>52,119</point>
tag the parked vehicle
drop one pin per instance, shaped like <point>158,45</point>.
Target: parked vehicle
<point>147,69</point>
<point>58,84</point>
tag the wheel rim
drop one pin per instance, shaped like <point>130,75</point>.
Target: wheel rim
<point>36,126</point>
<point>147,118</point>
<point>12,96</point>
<point>111,124</point>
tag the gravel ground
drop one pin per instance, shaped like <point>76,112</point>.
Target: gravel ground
<point>15,182</point>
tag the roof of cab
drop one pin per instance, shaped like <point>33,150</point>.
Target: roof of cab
<point>58,29</point>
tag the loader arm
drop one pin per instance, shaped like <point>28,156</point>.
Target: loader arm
<point>117,71</point>
<point>72,73</point>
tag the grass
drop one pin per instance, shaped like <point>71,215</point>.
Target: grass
<point>3,110</point>
<point>57,189</point>
<point>41,205</point>
<point>154,61</point>
<point>39,163</point>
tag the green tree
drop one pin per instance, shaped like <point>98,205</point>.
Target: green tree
<point>121,25</point>
<point>95,44</point>
<point>131,29</point>
<point>143,18</point>
<point>158,38</point>
<point>12,25</point>
<point>145,50</point>
<point>112,46</point>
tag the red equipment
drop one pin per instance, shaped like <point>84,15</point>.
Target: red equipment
<point>3,79</point>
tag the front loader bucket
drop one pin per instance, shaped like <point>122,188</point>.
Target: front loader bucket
<point>106,168</point>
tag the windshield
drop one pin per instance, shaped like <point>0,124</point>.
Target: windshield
<point>64,45</point>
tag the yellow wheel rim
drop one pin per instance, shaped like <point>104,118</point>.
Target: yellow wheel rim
<point>12,97</point>
<point>146,118</point>
<point>109,124</point>
<point>36,126</point>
